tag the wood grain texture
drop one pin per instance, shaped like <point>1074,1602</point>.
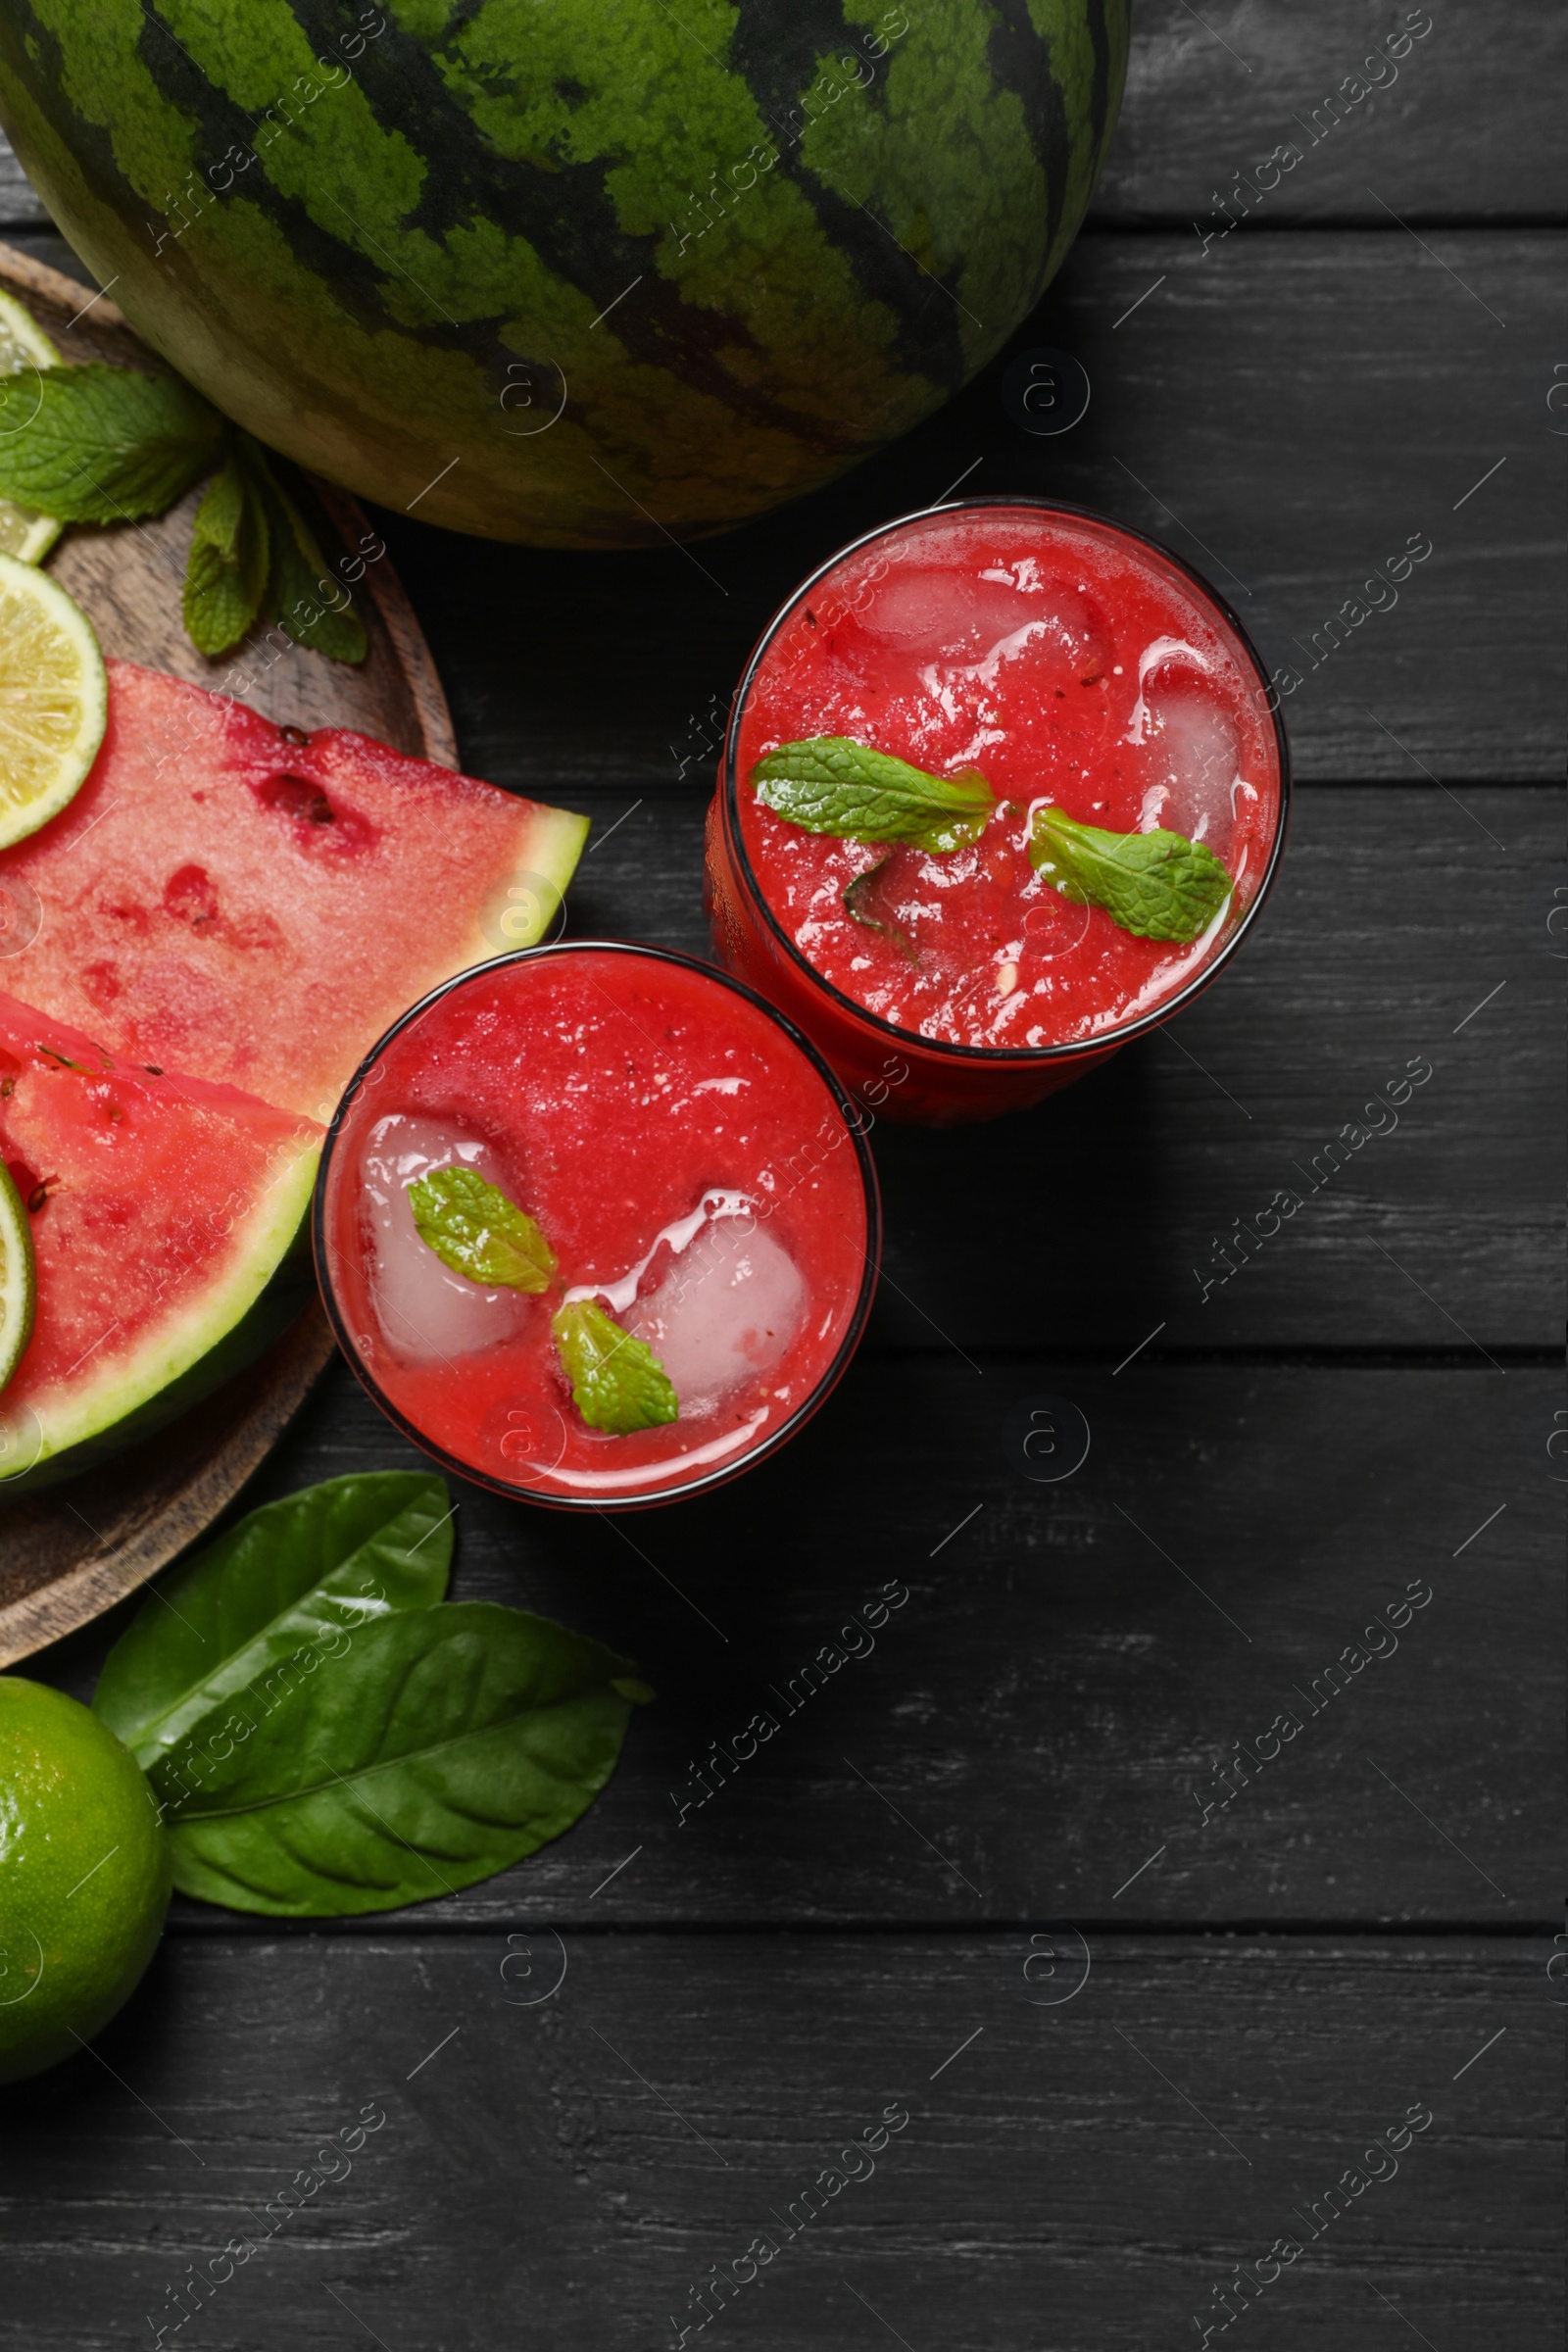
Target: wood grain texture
<point>21,206</point>
<point>74,1550</point>
<point>1212,94</point>
<point>1073,1660</point>
<point>1078,2176</point>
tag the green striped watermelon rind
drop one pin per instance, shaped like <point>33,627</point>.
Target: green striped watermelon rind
<point>580,275</point>
<point>220,1336</point>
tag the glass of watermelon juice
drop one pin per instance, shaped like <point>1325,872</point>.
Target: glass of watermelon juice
<point>1082,812</point>
<point>596,1226</point>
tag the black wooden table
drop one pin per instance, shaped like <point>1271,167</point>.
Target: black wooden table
<point>989,1879</point>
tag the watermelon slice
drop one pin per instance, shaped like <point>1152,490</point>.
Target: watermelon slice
<point>254,906</point>
<point>161,1209</point>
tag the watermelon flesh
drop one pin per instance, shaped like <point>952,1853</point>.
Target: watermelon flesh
<point>254,905</point>
<point>161,1207</point>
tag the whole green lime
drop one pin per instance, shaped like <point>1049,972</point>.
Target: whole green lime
<point>84,1876</point>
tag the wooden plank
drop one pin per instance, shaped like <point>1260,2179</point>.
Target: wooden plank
<point>1078,2175</point>
<point>1464,126</point>
<point>1103,1208</point>
<point>1074,1659</point>
<point>21,206</point>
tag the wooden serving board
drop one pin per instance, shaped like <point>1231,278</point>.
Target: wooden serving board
<point>76,1549</point>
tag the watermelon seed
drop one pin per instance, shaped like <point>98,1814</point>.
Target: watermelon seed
<point>40,1195</point>
<point>292,796</point>
<point>295,735</point>
<point>152,1069</point>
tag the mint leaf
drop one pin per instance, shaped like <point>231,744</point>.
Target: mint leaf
<point>829,784</point>
<point>861,906</point>
<point>476,1231</point>
<point>227,568</point>
<point>107,445</point>
<point>1157,885</point>
<point>298,578</point>
<point>617,1381</point>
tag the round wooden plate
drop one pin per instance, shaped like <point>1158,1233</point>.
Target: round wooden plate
<point>76,1549</point>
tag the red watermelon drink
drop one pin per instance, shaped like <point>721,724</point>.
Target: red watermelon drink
<point>596,1227</point>
<point>1004,785</point>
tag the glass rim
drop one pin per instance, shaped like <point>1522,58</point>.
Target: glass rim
<point>1003,1056</point>
<point>720,1473</point>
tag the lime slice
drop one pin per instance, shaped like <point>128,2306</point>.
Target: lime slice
<point>17,1285</point>
<point>24,346</point>
<point>54,698</point>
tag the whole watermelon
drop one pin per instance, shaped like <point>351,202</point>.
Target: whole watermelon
<point>580,272</point>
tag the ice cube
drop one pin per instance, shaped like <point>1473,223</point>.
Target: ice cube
<point>426,1313</point>
<point>725,1311</point>
<point>1061,635</point>
<point>943,614</point>
<point>1195,750</point>
<point>1158,655</point>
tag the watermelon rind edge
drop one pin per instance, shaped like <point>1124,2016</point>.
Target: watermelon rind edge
<point>552,841</point>
<point>17,1283</point>
<point>218,1336</point>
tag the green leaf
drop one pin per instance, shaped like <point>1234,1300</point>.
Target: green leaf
<point>1159,884</point>
<point>271,1605</point>
<point>106,444</point>
<point>859,903</point>
<point>299,578</point>
<point>829,784</point>
<point>476,1231</point>
<point>444,1746</point>
<point>617,1381</point>
<point>228,568</point>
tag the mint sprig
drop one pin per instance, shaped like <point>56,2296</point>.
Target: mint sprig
<point>106,444</point>
<point>860,905</point>
<point>109,445</point>
<point>1156,885</point>
<point>297,569</point>
<point>229,561</point>
<point>831,784</point>
<point>477,1232</point>
<point>617,1381</point>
